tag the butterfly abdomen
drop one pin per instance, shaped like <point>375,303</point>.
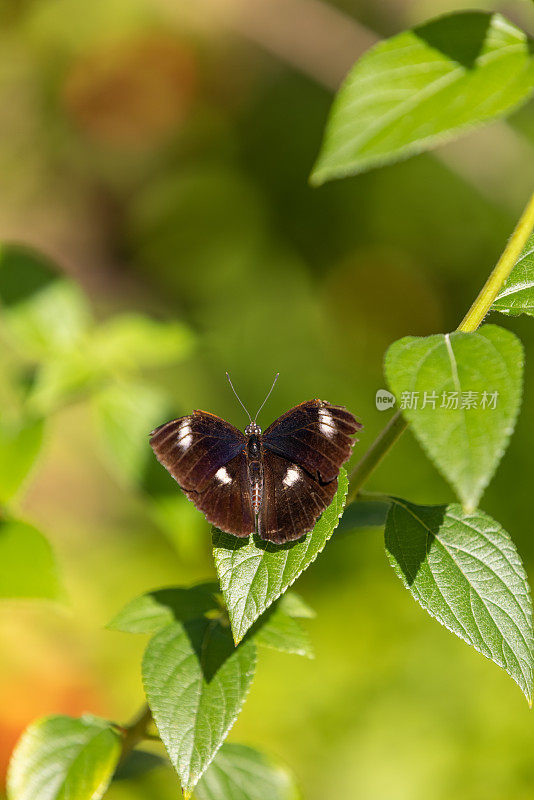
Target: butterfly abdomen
<point>255,472</point>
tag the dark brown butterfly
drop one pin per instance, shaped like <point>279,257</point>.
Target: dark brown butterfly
<point>276,484</point>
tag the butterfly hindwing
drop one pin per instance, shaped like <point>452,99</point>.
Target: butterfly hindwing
<point>315,435</point>
<point>292,500</point>
<point>193,448</point>
<point>225,499</point>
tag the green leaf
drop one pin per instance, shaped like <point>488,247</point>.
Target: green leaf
<point>134,341</point>
<point>279,631</point>
<point>27,566</point>
<point>254,574</point>
<point>293,604</point>
<point>125,413</point>
<point>61,758</point>
<point>465,571</point>
<point>241,773</point>
<point>61,380</point>
<point>424,87</point>
<point>150,612</point>
<point>45,312</point>
<point>517,294</point>
<point>19,449</point>
<point>196,682</point>
<point>466,444</point>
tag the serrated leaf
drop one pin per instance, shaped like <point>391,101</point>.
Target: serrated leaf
<point>150,612</point>
<point>423,87</point>
<point>27,565</point>
<point>196,682</point>
<point>61,758</point>
<point>465,571</point>
<point>135,341</point>
<point>277,630</point>
<point>517,293</point>
<point>254,574</point>
<point>44,311</point>
<point>242,773</point>
<point>125,413</point>
<point>19,448</point>
<point>466,444</point>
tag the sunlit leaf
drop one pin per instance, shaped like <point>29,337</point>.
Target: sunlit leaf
<point>293,604</point>
<point>465,571</point>
<point>150,612</point>
<point>279,631</point>
<point>19,448</point>
<point>61,758</point>
<point>135,341</point>
<point>196,682</point>
<point>481,374</point>
<point>517,293</point>
<point>254,573</point>
<point>125,414</point>
<point>45,312</point>
<point>424,87</point>
<point>241,773</point>
<point>27,566</point>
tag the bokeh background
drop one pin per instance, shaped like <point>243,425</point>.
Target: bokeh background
<point>159,152</point>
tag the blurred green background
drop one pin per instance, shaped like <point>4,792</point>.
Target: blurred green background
<point>158,152</point>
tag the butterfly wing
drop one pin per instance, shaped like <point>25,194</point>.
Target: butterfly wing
<point>316,436</point>
<point>292,500</point>
<point>225,499</point>
<point>193,448</point>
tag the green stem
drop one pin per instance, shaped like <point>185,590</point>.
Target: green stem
<point>136,731</point>
<point>474,317</point>
<point>503,268</point>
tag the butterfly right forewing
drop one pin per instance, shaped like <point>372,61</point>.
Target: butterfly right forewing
<point>316,435</point>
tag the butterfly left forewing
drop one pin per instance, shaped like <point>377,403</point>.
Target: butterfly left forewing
<point>194,447</point>
<point>315,435</point>
<point>292,500</point>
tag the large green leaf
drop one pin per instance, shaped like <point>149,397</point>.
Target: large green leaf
<point>465,571</point>
<point>466,443</point>
<point>517,293</point>
<point>254,573</point>
<point>135,341</point>
<point>45,312</point>
<point>241,773</point>
<point>150,612</point>
<point>27,566</point>
<point>424,87</point>
<point>125,413</point>
<point>19,448</point>
<point>61,758</point>
<point>196,682</point>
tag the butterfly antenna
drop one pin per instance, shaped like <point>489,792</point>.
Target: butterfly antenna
<point>238,398</point>
<point>268,395</point>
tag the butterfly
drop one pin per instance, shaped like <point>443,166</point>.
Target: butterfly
<point>275,484</point>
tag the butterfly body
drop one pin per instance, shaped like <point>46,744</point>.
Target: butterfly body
<point>276,483</point>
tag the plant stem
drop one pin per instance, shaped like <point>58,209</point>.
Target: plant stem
<point>503,268</point>
<point>474,317</point>
<point>136,731</point>
<point>374,455</point>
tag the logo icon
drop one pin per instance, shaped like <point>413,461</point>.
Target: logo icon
<point>384,400</point>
